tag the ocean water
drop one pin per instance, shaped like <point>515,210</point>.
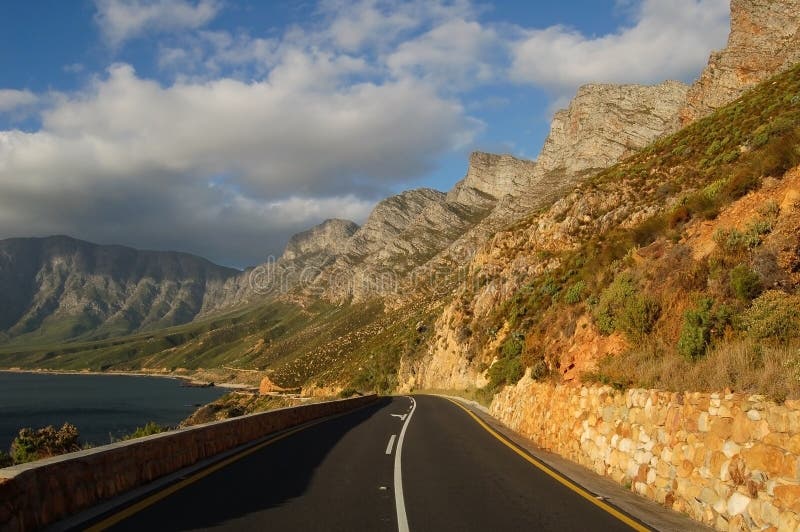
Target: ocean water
<point>101,406</point>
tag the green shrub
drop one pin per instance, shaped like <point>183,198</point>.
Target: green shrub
<point>756,230</point>
<point>549,287</point>
<point>712,190</point>
<point>574,293</point>
<point>730,241</point>
<point>702,206</point>
<point>742,182</point>
<point>700,325</point>
<point>612,302</point>
<point>513,346</point>
<point>730,156</point>
<point>505,371</point>
<point>508,369</point>
<point>639,315</point>
<point>622,308</point>
<point>774,314</point>
<point>649,230</point>
<point>760,140</point>
<point>745,283</point>
<point>5,460</point>
<point>32,445</point>
<point>713,148</point>
<point>779,156</point>
<point>148,430</point>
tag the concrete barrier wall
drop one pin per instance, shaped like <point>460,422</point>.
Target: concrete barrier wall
<point>40,493</point>
<point>731,461</point>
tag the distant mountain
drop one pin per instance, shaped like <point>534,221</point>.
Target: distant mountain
<point>58,288</point>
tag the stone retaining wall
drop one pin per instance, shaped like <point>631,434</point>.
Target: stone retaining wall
<point>36,494</point>
<point>731,461</point>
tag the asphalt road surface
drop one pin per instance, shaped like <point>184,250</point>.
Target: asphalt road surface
<point>421,463</point>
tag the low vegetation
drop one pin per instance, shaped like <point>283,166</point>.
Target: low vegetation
<point>724,318</point>
<point>236,404</point>
<point>150,428</point>
<point>35,444</point>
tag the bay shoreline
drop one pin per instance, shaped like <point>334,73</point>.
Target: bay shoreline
<point>190,381</point>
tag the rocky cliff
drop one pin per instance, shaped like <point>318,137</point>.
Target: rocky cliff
<point>491,177</point>
<point>403,231</point>
<point>764,40</point>
<point>604,123</point>
<point>320,242</point>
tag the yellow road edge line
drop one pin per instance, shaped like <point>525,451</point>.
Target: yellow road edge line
<point>556,476</point>
<point>172,488</point>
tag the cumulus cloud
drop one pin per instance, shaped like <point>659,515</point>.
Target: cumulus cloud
<point>11,99</point>
<point>213,54</point>
<point>353,25</point>
<point>457,53</point>
<point>121,20</point>
<point>664,42</point>
<point>226,162</point>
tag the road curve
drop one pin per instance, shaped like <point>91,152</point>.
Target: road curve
<point>345,473</point>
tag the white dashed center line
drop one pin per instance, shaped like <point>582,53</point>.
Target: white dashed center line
<point>391,444</point>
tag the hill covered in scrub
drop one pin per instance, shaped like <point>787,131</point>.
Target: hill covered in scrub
<point>677,269</point>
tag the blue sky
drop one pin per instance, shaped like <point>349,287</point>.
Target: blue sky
<point>221,127</point>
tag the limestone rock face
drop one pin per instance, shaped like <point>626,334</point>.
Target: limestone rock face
<point>604,123</point>
<point>764,40</point>
<point>389,219</point>
<point>329,238</point>
<point>402,232</point>
<point>490,177</point>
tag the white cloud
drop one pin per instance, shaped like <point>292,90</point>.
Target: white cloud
<point>454,54</point>
<point>225,168</point>
<point>354,25</point>
<point>665,42</point>
<point>211,54</point>
<point>121,20</point>
<point>11,99</point>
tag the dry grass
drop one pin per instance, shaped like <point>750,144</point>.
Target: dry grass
<point>742,365</point>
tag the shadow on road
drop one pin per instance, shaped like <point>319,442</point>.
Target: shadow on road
<point>267,479</point>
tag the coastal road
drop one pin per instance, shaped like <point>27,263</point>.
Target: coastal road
<point>404,463</point>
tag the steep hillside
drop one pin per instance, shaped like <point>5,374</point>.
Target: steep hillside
<point>58,288</point>
<point>405,231</point>
<point>680,255</point>
<point>306,256</point>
